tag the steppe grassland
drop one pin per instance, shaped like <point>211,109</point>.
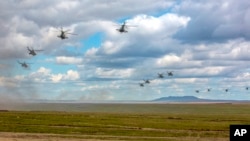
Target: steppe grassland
<point>128,121</point>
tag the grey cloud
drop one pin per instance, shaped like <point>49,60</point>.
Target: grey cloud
<point>135,47</point>
<point>208,25</point>
<point>72,11</point>
<point>30,21</point>
<point>216,20</point>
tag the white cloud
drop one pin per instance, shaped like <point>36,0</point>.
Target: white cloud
<point>44,70</point>
<point>8,82</point>
<point>200,41</point>
<point>147,25</point>
<point>168,60</point>
<point>186,80</point>
<point>56,78</point>
<point>150,38</point>
<point>71,75</point>
<point>114,73</point>
<point>68,60</point>
<point>91,52</point>
<point>67,5</point>
<point>45,75</point>
<point>216,20</point>
<point>204,71</point>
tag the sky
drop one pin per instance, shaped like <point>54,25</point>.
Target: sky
<point>206,44</point>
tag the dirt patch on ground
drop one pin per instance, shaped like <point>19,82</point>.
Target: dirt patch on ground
<point>7,136</point>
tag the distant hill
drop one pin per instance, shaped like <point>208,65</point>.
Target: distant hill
<point>192,99</point>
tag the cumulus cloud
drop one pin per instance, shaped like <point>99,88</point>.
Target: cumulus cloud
<point>114,73</point>
<point>145,40</point>
<point>70,75</point>
<point>168,60</point>
<point>202,42</point>
<point>45,75</point>
<point>215,20</point>
<point>68,60</point>
<point>8,82</point>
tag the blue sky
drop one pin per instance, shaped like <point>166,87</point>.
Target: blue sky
<point>205,44</point>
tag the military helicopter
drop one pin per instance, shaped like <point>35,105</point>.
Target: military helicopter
<point>146,81</point>
<point>197,91</point>
<point>160,75</point>
<point>226,90</point>
<point>247,88</point>
<point>123,28</point>
<point>208,90</point>
<point>141,84</point>
<point>64,33</point>
<point>170,73</point>
<point>32,51</point>
<point>24,64</point>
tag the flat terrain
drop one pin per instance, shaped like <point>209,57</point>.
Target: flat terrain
<point>137,122</point>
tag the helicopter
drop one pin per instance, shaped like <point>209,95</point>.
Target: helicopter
<point>197,91</point>
<point>146,81</point>
<point>123,28</point>
<point>170,73</point>
<point>32,51</point>
<point>247,88</point>
<point>208,90</point>
<point>64,33</point>
<point>226,90</point>
<point>24,64</point>
<point>160,75</point>
<point>141,84</point>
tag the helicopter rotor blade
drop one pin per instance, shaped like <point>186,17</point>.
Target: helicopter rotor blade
<point>66,31</point>
<point>71,33</point>
<point>38,50</point>
<point>131,25</point>
<point>117,24</point>
<point>19,62</point>
<point>28,48</point>
<point>56,30</point>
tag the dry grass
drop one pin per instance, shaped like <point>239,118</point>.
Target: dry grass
<point>137,122</point>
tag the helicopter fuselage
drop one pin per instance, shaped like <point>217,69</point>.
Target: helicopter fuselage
<point>160,75</point>
<point>32,52</point>
<point>24,65</point>
<point>62,36</point>
<point>122,29</point>
<point>141,84</point>
<point>170,74</point>
<point>147,81</point>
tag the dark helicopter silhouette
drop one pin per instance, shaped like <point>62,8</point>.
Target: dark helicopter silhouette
<point>160,75</point>
<point>24,64</point>
<point>226,90</point>
<point>247,88</point>
<point>32,51</point>
<point>146,81</point>
<point>63,34</point>
<point>197,91</point>
<point>170,73</point>
<point>209,89</point>
<point>123,28</point>
<point>141,84</point>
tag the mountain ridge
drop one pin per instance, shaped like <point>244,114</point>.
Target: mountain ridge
<point>192,99</point>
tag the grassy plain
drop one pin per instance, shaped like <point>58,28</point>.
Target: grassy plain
<point>156,122</point>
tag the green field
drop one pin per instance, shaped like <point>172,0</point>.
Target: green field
<point>173,122</point>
